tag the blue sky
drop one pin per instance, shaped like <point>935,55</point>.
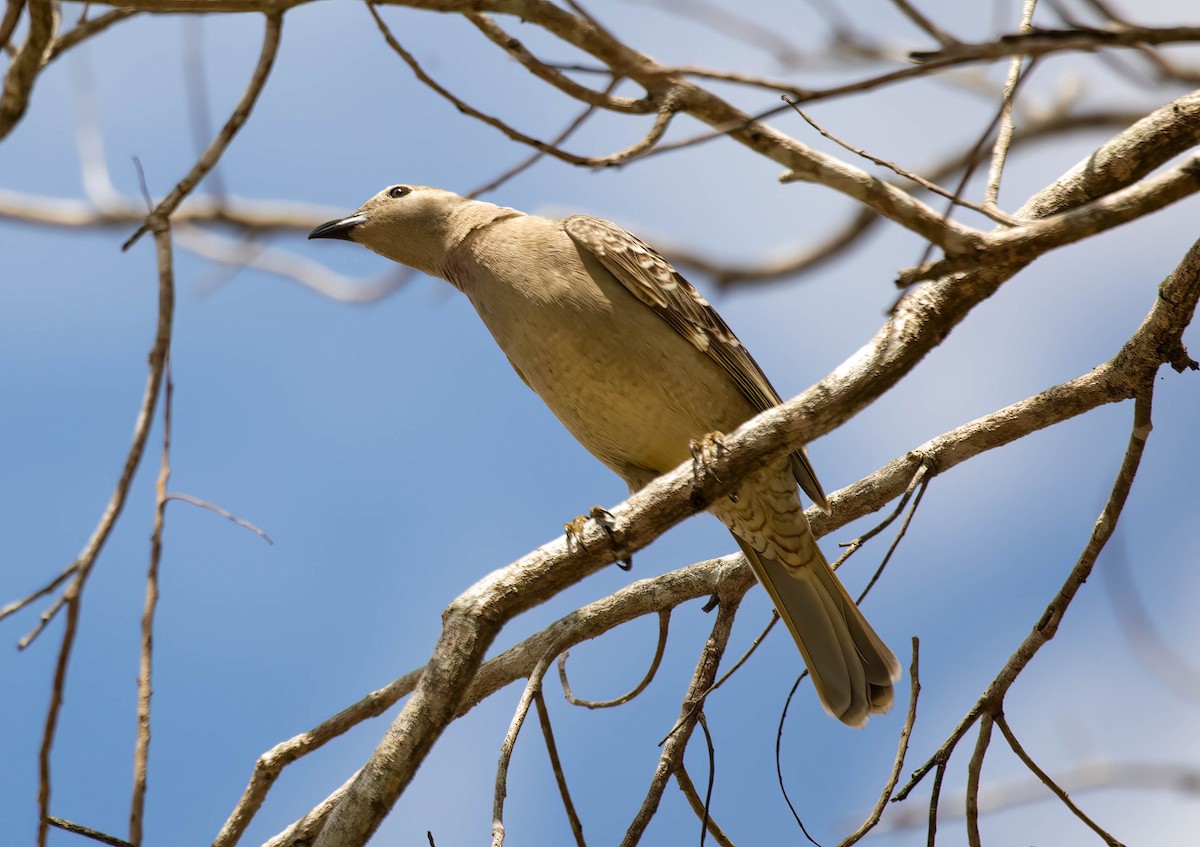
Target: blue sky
<point>394,457</point>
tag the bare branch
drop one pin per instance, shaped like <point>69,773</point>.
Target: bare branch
<point>73,594</point>
<point>992,699</point>
<point>974,768</point>
<point>29,61</point>
<point>238,254</point>
<point>684,781</point>
<point>1039,42</point>
<point>141,750</point>
<point>556,765</point>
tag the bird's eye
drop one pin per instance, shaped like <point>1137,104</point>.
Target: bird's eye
<point>397,191</point>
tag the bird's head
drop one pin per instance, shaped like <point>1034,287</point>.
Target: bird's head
<point>414,225</point>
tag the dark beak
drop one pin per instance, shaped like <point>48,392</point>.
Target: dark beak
<point>338,229</point>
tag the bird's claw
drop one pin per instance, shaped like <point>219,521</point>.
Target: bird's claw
<point>705,451</point>
<point>574,530</point>
<point>604,519</point>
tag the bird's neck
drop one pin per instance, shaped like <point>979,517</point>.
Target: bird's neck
<point>463,223</point>
<point>471,218</point>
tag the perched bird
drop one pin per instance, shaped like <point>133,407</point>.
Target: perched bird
<point>638,366</point>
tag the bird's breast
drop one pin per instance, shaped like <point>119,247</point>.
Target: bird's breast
<point>632,390</point>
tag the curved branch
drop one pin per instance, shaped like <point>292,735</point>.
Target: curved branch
<point>555,77</point>
<point>664,620</point>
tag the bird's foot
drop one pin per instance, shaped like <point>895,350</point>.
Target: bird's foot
<point>705,451</point>
<point>604,519</point>
<point>574,530</point>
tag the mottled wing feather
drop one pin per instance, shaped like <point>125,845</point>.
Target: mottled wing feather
<point>653,280</point>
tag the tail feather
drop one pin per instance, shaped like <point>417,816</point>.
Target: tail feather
<point>852,669</point>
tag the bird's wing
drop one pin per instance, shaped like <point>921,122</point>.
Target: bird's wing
<point>652,279</point>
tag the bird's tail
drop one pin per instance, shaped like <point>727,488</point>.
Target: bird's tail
<point>851,668</point>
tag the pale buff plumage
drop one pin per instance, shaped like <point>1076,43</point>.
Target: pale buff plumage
<point>637,366</point>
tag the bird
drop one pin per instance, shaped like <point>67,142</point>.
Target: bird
<point>640,369</point>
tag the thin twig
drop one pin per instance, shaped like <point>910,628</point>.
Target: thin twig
<point>534,157</point>
<point>923,487</point>
<point>934,796</point>
<point>141,750</point>
<point>554,76</point>
<point>1004,130</point>
<point>672,753</point>
<point>854,544</point>
<point>212,154</point>
<point>975,157</point>
<point>661,121</point>
<point>1011,738</point>
<point>17,605</point>
<point>974,769</point>
<point>73,594</point>
<point>556,765</point>
<point>779,757</point>
<point>994,214</point>
<point>85,30</point>
<point>910,719</point>
<point>712,774</point>
<point>721,681</point>
<point>88,832</point>
<point>1040,42</point>
<point>204,504</point>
